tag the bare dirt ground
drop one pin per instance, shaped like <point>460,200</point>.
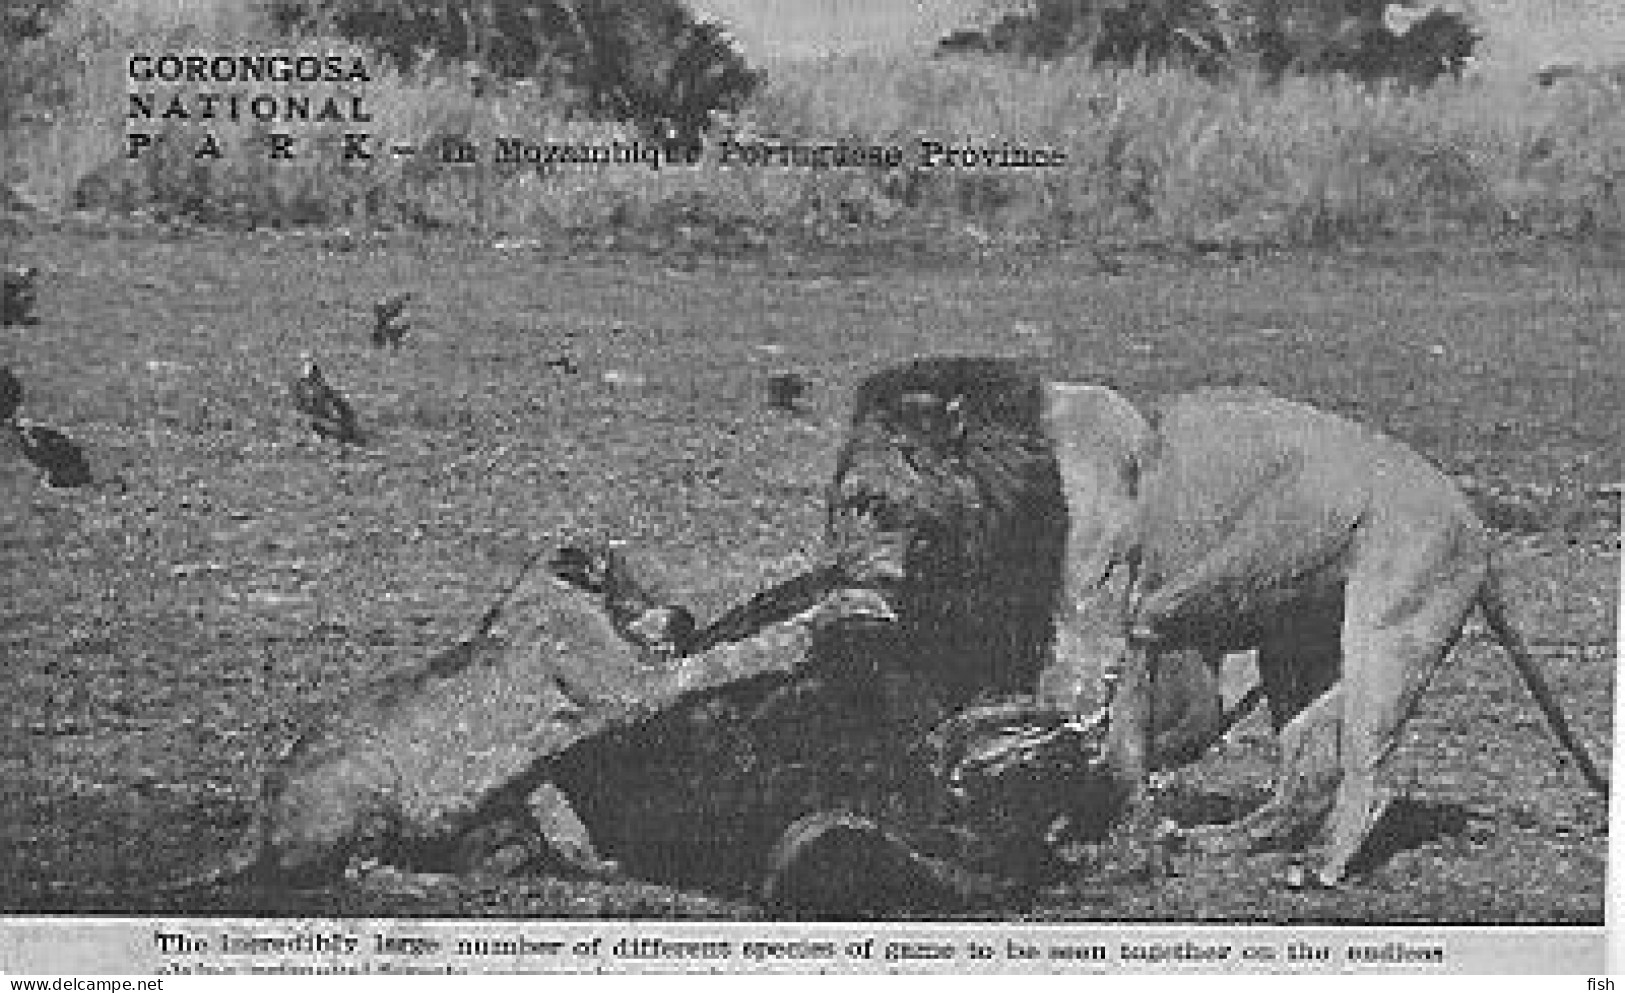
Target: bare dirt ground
<point>159,643</point>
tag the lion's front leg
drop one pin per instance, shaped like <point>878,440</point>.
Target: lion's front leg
<point>1075,680</point>
<point>1128,729</point>
<point>1136,843</point>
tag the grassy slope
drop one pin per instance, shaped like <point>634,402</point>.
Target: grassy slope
<point>158,644</point>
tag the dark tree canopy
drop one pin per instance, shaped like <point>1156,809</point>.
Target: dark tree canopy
<point>1119,31</point>
<point>1280,37</point>
<point>647,61</point>
<point>21,20</point>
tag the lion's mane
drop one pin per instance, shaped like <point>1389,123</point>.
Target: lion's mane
<point>948,456</point>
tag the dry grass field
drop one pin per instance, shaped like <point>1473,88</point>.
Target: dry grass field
<point>159,643</point>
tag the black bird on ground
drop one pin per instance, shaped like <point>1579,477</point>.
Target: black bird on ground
<point>331,416</point>
<point>785,391</point>
<point>387,326</point>
<point>11,393</point>
<point>17,295</point>
<point>54,453</point>
<point>50,450</point>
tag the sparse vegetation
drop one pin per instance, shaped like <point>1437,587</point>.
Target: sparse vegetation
<point>1156,154</point>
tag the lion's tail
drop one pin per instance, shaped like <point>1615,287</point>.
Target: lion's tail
<point>1493,603</point>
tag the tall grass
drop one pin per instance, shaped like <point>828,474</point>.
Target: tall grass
<point>1150,155</point>
<point>1164,155</point>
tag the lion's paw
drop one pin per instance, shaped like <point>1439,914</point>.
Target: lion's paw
<point>1298,877</point>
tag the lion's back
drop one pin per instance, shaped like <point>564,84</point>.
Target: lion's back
<point>1229,445</point>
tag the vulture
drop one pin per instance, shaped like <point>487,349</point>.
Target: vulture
<point>387,326</point>
<point>11,394</point>
<point>785,391</point>
<point>17,295</point>
<point>331,416</point>
<point>56,455</point>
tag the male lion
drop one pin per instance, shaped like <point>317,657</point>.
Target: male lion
<point>985,503</point>
<point>948,499</point>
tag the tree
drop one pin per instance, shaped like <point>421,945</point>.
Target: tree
<point>647,61</point>
<point>21,20</point>
<point>1280,37</point>
<point>23,79</point>
<point>1125,32</point>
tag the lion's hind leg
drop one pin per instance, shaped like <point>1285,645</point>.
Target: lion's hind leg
<point>1405,603</point>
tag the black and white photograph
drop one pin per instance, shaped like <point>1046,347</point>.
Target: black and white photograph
<point>1080,486</point>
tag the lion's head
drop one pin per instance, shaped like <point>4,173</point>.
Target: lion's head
<point>947,500</point>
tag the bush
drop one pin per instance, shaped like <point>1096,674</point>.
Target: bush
<point>1219,37</point>
<point>27,81</point>
<point>649,62</point>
